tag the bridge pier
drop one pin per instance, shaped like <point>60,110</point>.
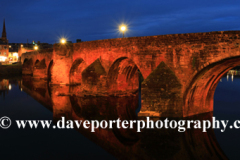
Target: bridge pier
<point>27,67</point>
<point>62,55</point>
<point>94,78</point>
<point>40,70</point>
<point>39,73</point>
<point>61,104</point>
<point>161,94</point>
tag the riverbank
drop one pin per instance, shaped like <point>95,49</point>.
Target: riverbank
<point>10,70</point>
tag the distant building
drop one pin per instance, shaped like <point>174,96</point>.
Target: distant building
<point>29,47</point>
<point>4,50</point>
<point>17,49</point>
<point>12,51</point>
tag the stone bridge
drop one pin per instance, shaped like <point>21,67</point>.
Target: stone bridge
<point>178,73</point>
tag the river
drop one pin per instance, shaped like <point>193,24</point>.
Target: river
<point>28,99</point>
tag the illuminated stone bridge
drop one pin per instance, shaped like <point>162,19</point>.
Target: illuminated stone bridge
<point>178,73</point>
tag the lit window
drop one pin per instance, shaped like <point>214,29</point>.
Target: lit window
<point>15,54</point>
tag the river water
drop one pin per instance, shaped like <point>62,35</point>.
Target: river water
<point>27,99</point>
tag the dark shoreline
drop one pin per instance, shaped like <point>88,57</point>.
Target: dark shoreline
<point>10,71</point>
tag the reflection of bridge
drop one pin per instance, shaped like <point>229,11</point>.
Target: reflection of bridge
<point>4,86</point>
<point>180,71</point>
<point>125,143</point>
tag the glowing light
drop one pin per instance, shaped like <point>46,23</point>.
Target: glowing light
<point>63,40</point>
<point>21,45</point>
<point>123,28</point>
<point>9,87</point>
<point>36,47</point>
<point>15,54</point>
<point>3,58</point>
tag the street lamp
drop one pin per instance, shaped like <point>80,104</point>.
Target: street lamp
<point>36,47</point>
<point>63,40</point>
<point>123,28</point>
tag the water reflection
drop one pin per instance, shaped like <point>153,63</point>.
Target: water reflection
<point>226,107</point>
<point>124,143</point>
<point>232,73</point>
<point>6,85</point>
<point>38,90</point>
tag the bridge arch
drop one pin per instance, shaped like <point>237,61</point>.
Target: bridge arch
<point>27,67</point>
<point>25,60</point>
<point>75,75</point>
<point>49,71</point>
<point>199,95</point>
<point>40,69</point>
<point>94,77</point>
<point>89,106</point>
<point>40,64</point>
<point>123,75</point>
<point>49,77</point>
<point>36,62</point>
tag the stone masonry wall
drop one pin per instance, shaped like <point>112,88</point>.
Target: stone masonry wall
<point>173,63</point>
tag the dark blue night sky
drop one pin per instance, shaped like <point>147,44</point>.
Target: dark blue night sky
<point>48,20</point>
